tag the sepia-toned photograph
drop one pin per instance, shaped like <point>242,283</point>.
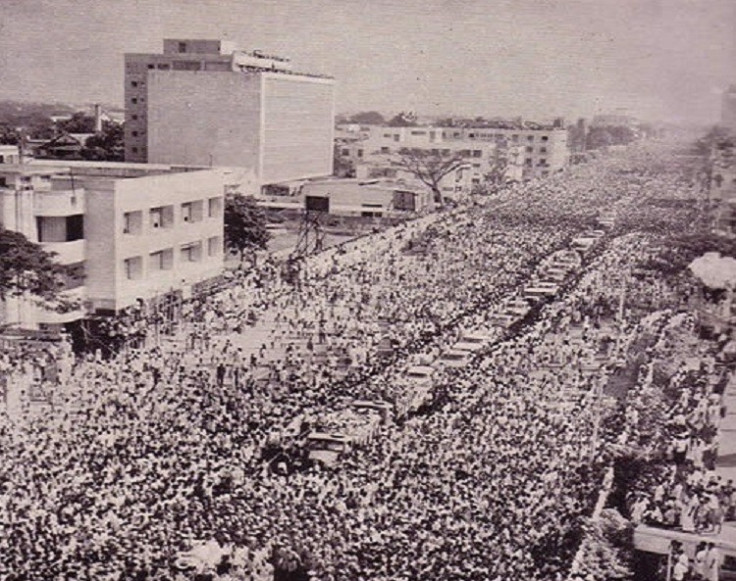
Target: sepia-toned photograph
<point>367,290</point>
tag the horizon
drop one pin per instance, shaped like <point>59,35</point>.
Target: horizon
<point>666,60</point>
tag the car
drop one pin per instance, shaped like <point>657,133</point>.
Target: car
<point>327,448</point>
<point>540,291</point>
<point>474,341</point>
<point>453,358</point>
<point>518,307</point>
<point>419,374</point>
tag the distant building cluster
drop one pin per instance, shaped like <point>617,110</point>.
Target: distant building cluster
<point>520,154</point>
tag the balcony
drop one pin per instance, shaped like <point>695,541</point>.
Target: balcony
<point>67,252</point>
<point>58,203</point>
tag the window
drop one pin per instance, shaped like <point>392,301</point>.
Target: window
<point>134,100</point>
<point>163,67</point>
<point>161,260</point>
<point>529,149</point>
<point>186,65</point>
<point>191,252</point>
<point>161,217</point>
<point>214,246</point>
<point>134,149</point>
<point>515,138</point>
<point>542,161</point>
<point>545,138</point>
<point>133,268</point>
<point>214,207</point>
<point>182,47</point>
<point>3,182</point>
<point>134,133</point>
<point>388,135</point>
<point>360,153</point>
<point>542,150</point>
<point>133,83</point>
<point>156,215</point>
<point>471,135</point>
<point>477,153</point>
<point>345,152</point>
<point>396,137</point>
<point>186,212</point>
<point>150,66</point>
<point>385,150</point>
<point>530,138</point>
<point>419,133</point>
<point>134,117</point>
<point>528,161</point>
<point>132,222</point>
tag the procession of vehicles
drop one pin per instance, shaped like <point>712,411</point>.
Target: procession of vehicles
<point>355,422</point>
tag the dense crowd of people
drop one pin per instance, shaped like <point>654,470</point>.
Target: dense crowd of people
<point>152,454</point>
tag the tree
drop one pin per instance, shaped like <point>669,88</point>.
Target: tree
<point>79,123</point>
<point>403,119</point>
<point>497,174</point>
<point>106,145</point>
<point>429,166</point>
<point>368,118</point>
<point>26,268</point>
<point>245,225</point>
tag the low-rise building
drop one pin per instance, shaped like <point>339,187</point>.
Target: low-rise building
<point>9,154</point>
<point>125,232</point>
<point>369,197</point>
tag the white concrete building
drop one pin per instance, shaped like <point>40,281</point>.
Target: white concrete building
<point>201,102</point>
<point>124,231</point>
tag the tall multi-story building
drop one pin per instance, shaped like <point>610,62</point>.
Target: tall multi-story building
<point>728,108</point>
<point>202,102</point>
<point>125,232</point>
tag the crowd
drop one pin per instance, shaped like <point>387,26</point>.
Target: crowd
<point>158,448</point>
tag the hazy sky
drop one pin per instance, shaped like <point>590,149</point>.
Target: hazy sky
<point>535,58</point>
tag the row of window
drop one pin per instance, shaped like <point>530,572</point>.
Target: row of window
<point>162,217</point>
<point>542,162</point>
<point>463,152</point>
<point>163,260</point>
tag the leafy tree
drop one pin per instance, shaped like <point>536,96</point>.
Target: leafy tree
<point>429,167</point>
<point>245,225</point>
<point>26,268</point>
<point>9,135</point>
<point>403,119</point>
<point>79,123</point>
<point>107,145</point>
<point>368,118</point>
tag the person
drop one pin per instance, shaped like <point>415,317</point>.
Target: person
<point>681,567</point>
<point>699,561</point>
<point>712,563</point>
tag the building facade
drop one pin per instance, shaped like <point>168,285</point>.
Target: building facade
<point>523,153</point>
<point>201,102</point>
<point>537,153</point>
<point>124,232</point>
